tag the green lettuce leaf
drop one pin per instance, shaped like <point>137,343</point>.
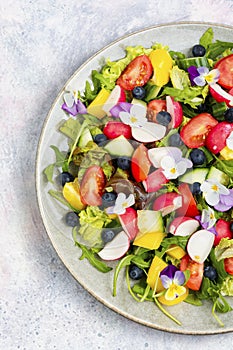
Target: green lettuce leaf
<point>224,249</point>
<point>227,286</point>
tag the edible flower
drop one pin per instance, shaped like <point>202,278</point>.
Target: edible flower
<point>122,202</point>
<point>202,75</point>
<point>212,190</point>
<point>172,280</point>
<point>175,165</point>
<point>225,202</point>
<point>229,141</point>
<point>205,225</point>
<point>208,218</point>
<point>135,117</point>
<point>72,104</point>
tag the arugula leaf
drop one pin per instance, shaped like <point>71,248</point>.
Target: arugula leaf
<point>216,49</point>
<point>178,240</point>
<point>91,256</point>
<point>59,197</point>
<point>193,299</point>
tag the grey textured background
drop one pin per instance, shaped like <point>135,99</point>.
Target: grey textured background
<point>42,43</point>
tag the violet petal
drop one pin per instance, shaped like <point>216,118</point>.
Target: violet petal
<point>179,278</point>
<point>71,110</point>
<point>169,271</point>
<point>222,207</point>
<point>80,107</point>
<point>120,107</point>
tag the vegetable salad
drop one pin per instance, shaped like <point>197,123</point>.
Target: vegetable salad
<point>147,174</point>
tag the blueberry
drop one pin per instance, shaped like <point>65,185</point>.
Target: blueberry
<point>198,50</point>
<point>175,140</point>
<point>107,235</point>
<point>163,118</point>
<point>139,92</point>
<point>231,226</point>
<point>123,163</point>
<point>196,188</point>
<point>228,115</point>
<point>72,219</point>
<point>108,199</point>
<point>65,177</point>
<point>210,272</point>
<point>100,138</point>
<point>135,272</point>
<point>197,156</point>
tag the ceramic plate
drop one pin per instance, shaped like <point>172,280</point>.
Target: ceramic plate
<point>195,320</point>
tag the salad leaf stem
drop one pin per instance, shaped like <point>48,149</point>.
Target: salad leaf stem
<point>215,315</point>
<point>129,287</point>
<point>166,312</point>
<point>122,263</point>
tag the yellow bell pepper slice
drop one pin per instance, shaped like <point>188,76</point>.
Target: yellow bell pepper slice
<point>162,65</point>
<point>226,153</point>
<point>149,240</point>
<point>176,252</point>
<point>153,279</point>
<point>95,107</point>
<point>71,193</point>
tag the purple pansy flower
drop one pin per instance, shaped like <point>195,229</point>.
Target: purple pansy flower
<point>205,225</point>
<point>225,201</point>
<point>173,279</point>
<point>201,75</point>
<point>72,105</point>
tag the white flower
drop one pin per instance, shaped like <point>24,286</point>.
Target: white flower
<point>136,116</point>
<point>211,190</point>
<point>123,202</point>
<point>70,97</point>
<point>206,76</point>
<point>208,217</point>
<point>173,167</point>
<point>229,141</point>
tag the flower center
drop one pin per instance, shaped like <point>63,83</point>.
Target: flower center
<point>214,188</point>
<point>133,119</point>
<point>173,170</point>
<point>124,204</point>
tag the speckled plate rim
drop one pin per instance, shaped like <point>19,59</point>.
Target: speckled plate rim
<point>40,199</point>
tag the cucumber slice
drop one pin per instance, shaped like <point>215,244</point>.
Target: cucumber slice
<point>85,138</point>
<point>218,175</point>
<point>185,63</point>
<point>119,147</point>
<point>136,101</point>
<point>195,175</point>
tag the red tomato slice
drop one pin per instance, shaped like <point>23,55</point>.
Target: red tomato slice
<point>196,272</point>
<point>137,73</point>
<point>92,186</point>
<point>140,163</point>
<point>154,107</point>
<point>194,133</point>
<point>225,66</point>
<point>216,139</point>
<point>228,265</point>
<point>189,206</point>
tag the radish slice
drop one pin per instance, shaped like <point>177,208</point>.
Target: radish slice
<point>150,132</point>
<point>129,222</point>
<point>183,226</point>
<point>175,110</point>
<point>221,95</point>
<point>199,245</point>
<point>116,248</point>
<point>117,95</point>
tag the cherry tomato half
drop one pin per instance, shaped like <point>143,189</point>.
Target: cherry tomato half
<point>189,206</point>
<point>92,186</point>
<point>154,107</point>
<point>140,163</point>
<point>228,265</point>
<point>225,66</point>
<point>194,133</point>
<point>196,272</point>
<point>137,73</point>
